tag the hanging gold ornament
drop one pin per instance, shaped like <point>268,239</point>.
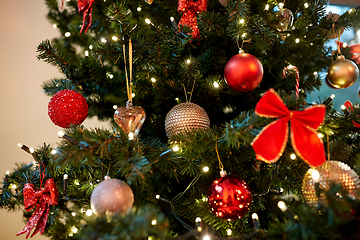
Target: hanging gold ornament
<point>286,19</point>
<point>323,176</point>
<point>342,73</point>
<point>331,33</point>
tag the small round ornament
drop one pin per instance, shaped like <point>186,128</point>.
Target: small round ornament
<point>286,19</point>
<point>324,175</point>
<point>67,108</point>
<point>229,197</point>
<point>130,119</point>
<point>243,72</point>
<point>342,73</point>
<point>186,116</point>
<point>111,195</point>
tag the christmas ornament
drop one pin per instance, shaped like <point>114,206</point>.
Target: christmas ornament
<point>190,8</point>
<point>67,108</point>
<point>243,72</point>
<point>229,197</point>
<point>331,33</point>
<point>355,50</point>
<point>322,177</point>
<point>149,1</point>
<point>342,73</point>
<point>111,195</point>
<point>85,7</point>
<point>286,19</point>
<point>224,2</point>
<point>130,119</point>
<point>305,141</point>
<point>42,199</point>
<point>350,108</point>
<point>185,116</point>
<point>329,84</point>
<point>290,69</point>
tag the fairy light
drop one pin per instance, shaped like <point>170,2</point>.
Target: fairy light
<point>267,7</point>
<point>350,10</point>
<point>74,229</point>
<point>115,107</point>
<point>176,99</point>
<point>281,189</point>
<point>54,26</point>
<point>54,151</point>
<point>306,5</point>
<point>153,80</point>
<point>320,135</point>
<point>153,222</point>
<point>229,232</point>
<point>293,156</point>
<point>31,150</point>
<point>204,199</point>
<point>175,148</point>
<point>89,212</point>
<point>76,182</point>
<point>114,38</point>
<point>244,35</point>
<point>133,95</point>
<point>86,53</point>
<point>13,186</point>
<point>197,220</point>
<point>157,196</point>
<point>91,47</point>
<point>315,73</point>
<point>61,133</point>
<point>281,5</point>
<point>315,175</point>
<point>255,220</point>
<point>254,216</point>
<point>297,40</point>
<point>206,169</point>
<point>131,136</point>
<point>216,84</point>
<point>103,40</point>
<point>82,210</point>
<point>206,237</point>
<point>282,206</point>
<point>188,61</point>
<point>7,172</point>
<point>73,214</point>
<point>67,34</point>
<point>345,43</point>
<point>242,21</point>
<point>138,9</point>
<point>343,107</point>
<point>147,21</point>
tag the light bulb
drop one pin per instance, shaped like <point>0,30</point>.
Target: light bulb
<point>244,35</point>
<point>315,175</point>
<point>315,73</point>
<point>153,80</point>
<point>254,216</point>
<point>242,21</point>
<point>188,61</point>
<point>297,40</point>
<point>206,237</point>
<point>67,34</point>
<point>114,38</point>
<point>293,156</point>
<point>103,40</point>
<point>7,172</point>
<point>197,219</point>
<point>86,53</point>
<point>320,135</point>
<point>138,9</point>
<point>31,150</point>
<point>281,5</point>
<point>88,212</point>
<point>343,107</point>
<point>175,148</point>
<point>216,85</point>
<point>282,206</point>
<point>131,136</point>
<point>74,229</point>
<point>267,7</point>
<point>147,21</point>
<point>133,94</point>
<point>306,5</point>
<point>61,133</point>
<point>229,232</point>
<point>53,151</point>
<point>206,169</point>
<point>153,222</point>
<point>115,107</point>
<point>73,214</point>
<point>54,26</point>
<point>157,196</point>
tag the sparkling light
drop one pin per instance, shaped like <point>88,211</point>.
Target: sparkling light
<point>242,21</point>
<point>297,40</point>
<point>282,206</point>
<point>54,26</point>
<point>229,232</point>
<point>153,222</point>
<point>88,212</point>
<point>175,148</point>
<point>315,73</point>
<point>90,47</point>
<point>74,229</point>
<point>7,172</point>
<point>206,169</point>
<point>254,216</point>
<point>306,5</point>
<point>67,34</point>
<point>147,21</point>
<point>138,9</point>
<point>131,136</point>
<point>188,61</point>
<point>53,151</point>
<point>73,214</point>
<point>206,237</point>
<point>114,38</point>
<point>315,175</point>
<point>267,7</point>
<point>293,156</point>
<point>103,40</point>
<point>157,196</point>
<point>133,94</point>
<point>216,85</point>
<point>197,219</point>
<point>153,80</point>
<point>320,135</point>
<point>86,53</point>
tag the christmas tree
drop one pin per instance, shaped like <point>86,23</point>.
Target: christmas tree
<point>202,97</point>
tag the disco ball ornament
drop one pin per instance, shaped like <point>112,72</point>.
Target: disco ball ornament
<point>229,197</point>
<point>327,173</point>
<point>186,116</point>
<point>243,72</point>
<point>67,108</point>
<point>130,119</point>
<point>286,20</point>
<point>111,195</point>
<point>342,73</point>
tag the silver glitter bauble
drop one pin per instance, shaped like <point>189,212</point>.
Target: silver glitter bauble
<point>112,195</point>
<point>329,172</point>
<point>186,116</point>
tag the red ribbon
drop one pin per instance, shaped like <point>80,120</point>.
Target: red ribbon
<point>85,7</point>
<point>190,8</point>
<point>270,143</point>
<point>350,108</point>
<point>42,199</point>
<point>355,50</point>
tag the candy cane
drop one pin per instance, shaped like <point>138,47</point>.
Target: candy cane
<point>291,70</point>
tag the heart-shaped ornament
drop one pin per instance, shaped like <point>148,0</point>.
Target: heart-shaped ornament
<point>130,119</point>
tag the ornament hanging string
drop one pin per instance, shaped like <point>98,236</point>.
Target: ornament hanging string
<point>128,79</point>
<point>41,174</point>
<point>291,69</point>
<point>328,147</point>
<point>221,166</point>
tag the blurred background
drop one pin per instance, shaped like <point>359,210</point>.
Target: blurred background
<point>23,105</point>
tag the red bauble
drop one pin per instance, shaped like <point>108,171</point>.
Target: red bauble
<point>229,197</point>
<point>243,72</point>
<point>67,108</point>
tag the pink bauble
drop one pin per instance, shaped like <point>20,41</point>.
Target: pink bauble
<point>243,72</point>
<point>112,195</point>
<point>229,197</point>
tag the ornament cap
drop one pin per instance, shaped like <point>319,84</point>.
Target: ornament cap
<point>241,51</point>
<point>107,177</point>
<point>223,173</point>
<point>340,57</point>
<point>129,104</point>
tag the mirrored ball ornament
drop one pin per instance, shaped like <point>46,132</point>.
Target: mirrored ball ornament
<point>111,195</point>
<point>342,73</point>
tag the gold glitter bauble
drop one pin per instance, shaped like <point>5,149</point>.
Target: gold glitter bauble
<point>342,73</point>
<point>330,172</point>
<point>185,116</point>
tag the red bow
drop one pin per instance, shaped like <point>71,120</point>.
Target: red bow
<point>189,8</point>
<point>42,198</point>
<point>85,7</point>
<point>270,143</point>
<point>350,108</point>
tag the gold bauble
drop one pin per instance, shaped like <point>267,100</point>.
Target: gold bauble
<point>330,172</point>
<point>186,116</point>
<point>342,73</point>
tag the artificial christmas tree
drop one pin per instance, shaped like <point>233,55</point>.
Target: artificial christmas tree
<point>170,177</point>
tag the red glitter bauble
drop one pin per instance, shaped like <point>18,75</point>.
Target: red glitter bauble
<point>67,108</point>
<point>243,72</point>
<point>229,197</point>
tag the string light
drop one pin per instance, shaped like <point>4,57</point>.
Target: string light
<point>153,80</point>
<point>281,189</point>
<point>147,21</point>
<point>320,135</point>
<point>197,220</point>
<point>153,222</point>
<point>7,172</point>
<point>188,61</point>
<point>131,136</point>
<point>216,85</point>
<point>73,214</point>
<point>114,38</point>
<point>206,169</point>
<point>54,151</point>
<point>76,182</point>
<point>67,34</point>
<point>306,5</point>
<point>103,40</point>
<point>88,212</point>
<point>61,133</point>
<point>267,7</point>
<point>177,99</point>
<point>229,232</point>
<point>244,35</point>
<point>175,148</point>
<point>115,107</point>
<point>13,186</point>
<point>86,53</point>
<point>206,237</point>
<point>242,21</point>
<point>82,210</point>
<point>157,196</point>
<point>293,156</point>
<point>54,26</point>
<point>315,73</point>
<point>204,199</point>
<point>297,40</point>
<point>74,229</point>
<point>90,47</point>
<point>345,43</point>
<point>282,206</point>
<point>31,150</point>
<point>315,175</point>
<point>350,10</point>
<point>138,9</point>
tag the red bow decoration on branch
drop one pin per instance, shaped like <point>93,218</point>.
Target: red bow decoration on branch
<point>85,7</point>
<point>42,199</point>
<point>190,8</point>
<point>270,143</point>
<point>350,108</point>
